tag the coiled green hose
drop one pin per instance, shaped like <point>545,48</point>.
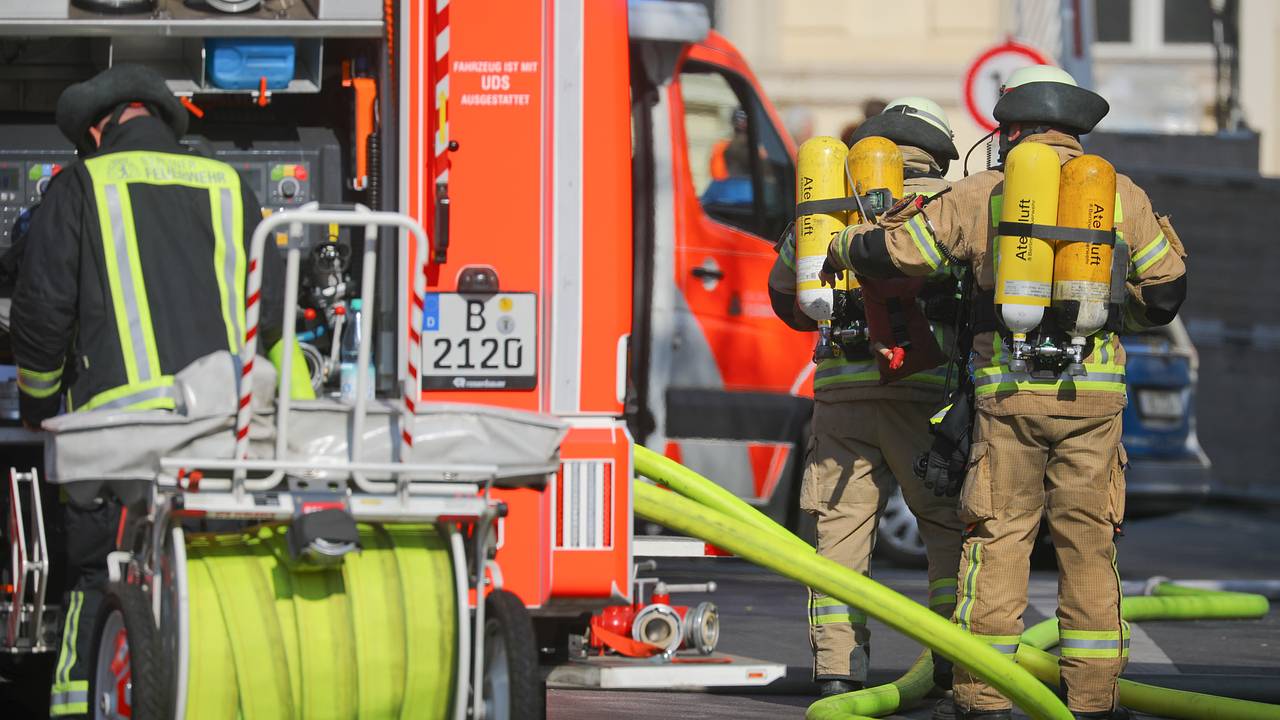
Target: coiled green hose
<point>373,638</point>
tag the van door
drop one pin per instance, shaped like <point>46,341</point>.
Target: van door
<point>725,372</point>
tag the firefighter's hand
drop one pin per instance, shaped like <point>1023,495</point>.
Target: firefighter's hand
<point>827,275</point>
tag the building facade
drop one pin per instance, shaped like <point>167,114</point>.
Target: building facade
<point>1153,59</point>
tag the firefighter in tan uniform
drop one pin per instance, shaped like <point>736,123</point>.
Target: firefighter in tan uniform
<point>1042,445</point>
<point>865,435</point>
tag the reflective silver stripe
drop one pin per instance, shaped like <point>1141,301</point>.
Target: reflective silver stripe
<point>229,267</point>
<point>847,369</point>
<point>166,391</point>
<point>998,378</point>
<point>856,616</point>
<point>1006,649</point>
<point>924,239</point>
<point>1075,644</point>
<point>831,610</point>
<point>565,319</point>
<point>1148,254</point>
<point>129,293</point>
<point>69,697</point>
<point>31,384</point>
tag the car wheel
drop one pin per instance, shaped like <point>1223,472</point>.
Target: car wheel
<point>512,687</point>
<point>898,536</point>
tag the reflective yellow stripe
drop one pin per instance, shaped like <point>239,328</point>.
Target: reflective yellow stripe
<point>1094,643</point>
<point>942,593</point>
<point>1098,377</point>
<point>1150,255</point>
<point>139,286</point>
<point>924,241</point>
<point>787,251</point>
<point>70,698</point>
<point>228,257</point>
<point>67,655</point>
<point>827,611</point>
<point>39,384</point>
<point>158,394</point>
<point>1005,644</point>
<point>938,416</point>
<point>964,612</point>
<point>119,278</point>
<point>837,372</point>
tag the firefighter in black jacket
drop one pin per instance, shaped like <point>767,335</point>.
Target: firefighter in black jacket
<point>135,266</point>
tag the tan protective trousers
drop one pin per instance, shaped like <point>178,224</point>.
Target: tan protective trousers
<point>856,450</point>
<point>1072,470</point>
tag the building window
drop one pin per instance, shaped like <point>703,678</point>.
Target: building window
<point>1188,21</point>
<point>1154,29</point>
<point>1114,21</point>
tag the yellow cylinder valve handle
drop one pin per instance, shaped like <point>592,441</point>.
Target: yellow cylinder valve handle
<point>819,176</point>
<point>1024,264</point>
<point>1082,270</point>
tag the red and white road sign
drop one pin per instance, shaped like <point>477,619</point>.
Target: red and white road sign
<point>988,73</point>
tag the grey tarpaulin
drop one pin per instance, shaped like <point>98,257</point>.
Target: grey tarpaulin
<point>123,449</point>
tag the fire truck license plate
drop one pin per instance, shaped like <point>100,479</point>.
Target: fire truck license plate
<point>479,342</point>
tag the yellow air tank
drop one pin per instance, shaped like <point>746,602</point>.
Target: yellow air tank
<point>1082,271</point>
<point>874,163</point>
<point>1024,264</point>
<point>819,176</point>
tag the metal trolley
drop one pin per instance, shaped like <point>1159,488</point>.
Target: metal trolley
<point>366,478</point>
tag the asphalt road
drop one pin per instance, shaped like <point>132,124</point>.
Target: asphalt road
<point>763,616</point>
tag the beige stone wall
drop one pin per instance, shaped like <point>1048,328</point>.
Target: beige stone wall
<point>1260,75</point>
<point>832,55</point>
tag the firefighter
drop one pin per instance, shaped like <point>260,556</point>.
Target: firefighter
<point>134,266</point>
<point>866,435</point>
<point>1041,445</point>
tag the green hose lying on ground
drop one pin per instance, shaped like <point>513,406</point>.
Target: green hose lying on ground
<point>893,609</point>
<point>1171,602</point>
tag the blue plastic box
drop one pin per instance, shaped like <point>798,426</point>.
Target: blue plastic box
<point>241,63</point>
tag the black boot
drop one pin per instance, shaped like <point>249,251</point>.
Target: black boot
<point>984,714</point>
<point>1116,713</point>
<point>827,688</point>
<point>942,670</point>
<point>945,709</point>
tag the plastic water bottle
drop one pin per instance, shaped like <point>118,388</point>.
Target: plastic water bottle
<point>349,355</point>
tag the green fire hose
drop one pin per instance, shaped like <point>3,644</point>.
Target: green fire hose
<point>899,612</point>
<point>372,638</point>
<point>712,503</point>
<point>1170,602</point>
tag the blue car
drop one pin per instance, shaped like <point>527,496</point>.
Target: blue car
<point>1168,471</point>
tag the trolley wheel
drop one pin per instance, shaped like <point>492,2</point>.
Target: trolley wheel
<point>128,680</point>
<point>512,688</point>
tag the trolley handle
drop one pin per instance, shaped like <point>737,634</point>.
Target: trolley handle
<point>314,214</point>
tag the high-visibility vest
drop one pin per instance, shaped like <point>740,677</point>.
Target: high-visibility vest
<point>146,386</point>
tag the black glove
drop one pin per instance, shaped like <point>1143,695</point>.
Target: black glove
<point>943,468</point>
